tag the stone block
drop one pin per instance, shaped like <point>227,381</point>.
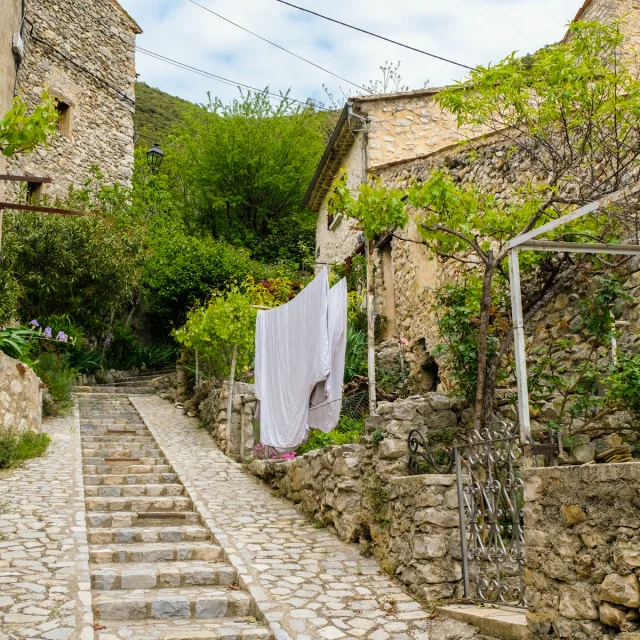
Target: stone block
<point>612,616</point>
<point>576,603</point>
<point>138,578</point>
<point>439,517</point>
<point>440,570</point>
<point>211,607</point>
<point>624,590</point>
<point>392,449</point>
<point>573,514</point>
<point>171,607</point>
<point>430,546</point>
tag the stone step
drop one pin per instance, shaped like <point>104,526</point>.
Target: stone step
<point>132,469</point>
<point>124,438</point>
<point>134,490</point>
<point>121,450</point>
<point>141,534</point>
<point>162,575</point>
<point>130,479</point>
<point>115,461</point>
<point>155,552</point>
<point>162,604</point>
<point>112,390</point>
<point>140,504</point>
<point>213,629</point>
<point>126,519</point>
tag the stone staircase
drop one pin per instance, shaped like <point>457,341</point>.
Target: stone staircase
<point>155,571</point>
<point>133,385</point>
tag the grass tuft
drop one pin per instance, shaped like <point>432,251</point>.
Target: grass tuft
<point>16,447</point>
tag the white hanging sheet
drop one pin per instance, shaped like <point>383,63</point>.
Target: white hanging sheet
<point>326,400</point>
<point>292,357</point>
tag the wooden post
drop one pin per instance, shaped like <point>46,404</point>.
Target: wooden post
<point>371,328</point>
<point>242,438</point>
<point>230,398</point>
<point>197,371</point>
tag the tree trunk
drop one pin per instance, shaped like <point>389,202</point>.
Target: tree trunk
<point>483,334</point>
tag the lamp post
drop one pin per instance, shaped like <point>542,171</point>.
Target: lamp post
<point>155,156</point>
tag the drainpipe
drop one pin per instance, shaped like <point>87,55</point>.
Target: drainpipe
<point>368,252</point>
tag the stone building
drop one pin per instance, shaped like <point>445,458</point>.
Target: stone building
<point>408,135</point>
<point>83,54</point>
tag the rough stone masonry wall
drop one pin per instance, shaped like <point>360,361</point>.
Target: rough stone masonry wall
<point>363,492</point>
<point>582,535</point>
<point>213,413</point>
<point>20,396</point>
<point>99,39</point>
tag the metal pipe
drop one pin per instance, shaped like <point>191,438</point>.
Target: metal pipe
<point>368,252</point>
<point>463,524</point>
<point>242,437</point>
<point>519,351</point>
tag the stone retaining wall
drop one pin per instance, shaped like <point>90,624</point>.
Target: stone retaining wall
<point>582,532</point>
<point>213,413</point>
<point>20,396</point>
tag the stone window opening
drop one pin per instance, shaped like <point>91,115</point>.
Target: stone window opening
<point>34,192</point>
<point>65,112</point>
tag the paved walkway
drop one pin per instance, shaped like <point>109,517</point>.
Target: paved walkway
<point>307,582</point>
<point>44,590</point>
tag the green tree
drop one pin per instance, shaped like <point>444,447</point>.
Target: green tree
<point>241,172</point>
<point>21,132</point>
<point>574,111</point>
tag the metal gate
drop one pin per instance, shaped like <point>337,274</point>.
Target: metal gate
<point>491,506</point>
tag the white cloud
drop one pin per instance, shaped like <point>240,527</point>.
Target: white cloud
<point>469,31</point>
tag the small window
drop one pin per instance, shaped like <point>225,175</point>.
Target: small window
<point>64,118</point>
<point>34,192</point>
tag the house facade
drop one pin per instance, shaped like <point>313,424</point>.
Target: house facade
<point>408,136</point>
<point>83,54</point>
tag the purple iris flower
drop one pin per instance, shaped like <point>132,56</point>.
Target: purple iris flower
<point>107,340</point>
<point>61,337</point>
<point>47,333</point>
<point>34,323</point>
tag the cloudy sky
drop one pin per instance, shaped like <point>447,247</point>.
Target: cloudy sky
<point>468,31</point>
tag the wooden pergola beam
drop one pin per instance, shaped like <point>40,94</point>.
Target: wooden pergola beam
<point>10,178</point>
<point>32,207</point>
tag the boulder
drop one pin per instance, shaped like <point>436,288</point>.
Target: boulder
<point>612,616</point>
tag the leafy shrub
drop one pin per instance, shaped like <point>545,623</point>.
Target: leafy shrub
<point>14,342</point>
<point>347,431</point>
<point>16,447</point>
<point>55,372</point>
<point>86,361</point>
<point>356,354</point>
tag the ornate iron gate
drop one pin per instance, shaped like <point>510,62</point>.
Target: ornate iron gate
<point>491,501</point>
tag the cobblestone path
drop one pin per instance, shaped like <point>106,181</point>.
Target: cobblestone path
<point>155,569</point>
<point>44,590</point>
<point>308,583</point>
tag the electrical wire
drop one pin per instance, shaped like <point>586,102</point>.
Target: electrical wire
<point>208,74</point>
<point>235,24</point>
<point>375,35</point>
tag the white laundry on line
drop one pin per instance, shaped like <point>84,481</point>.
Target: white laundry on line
<point>326,400</point>
<point>292,357</point>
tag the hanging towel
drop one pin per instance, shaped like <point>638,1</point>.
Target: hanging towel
<point>326,401</point>
<point>292,357</point>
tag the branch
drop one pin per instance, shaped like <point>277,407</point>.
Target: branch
<point>471,242</point>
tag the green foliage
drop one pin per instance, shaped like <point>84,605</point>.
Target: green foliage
<point>377,437</point>
<point>356,354</point>
<point>52,368</point>
<point>81,267</point>
<point>20,132</point>
<point>16,447</point>
<point>597,310</point>
<point>347,431</point>
<point>184,270</point>
<point>14,342</point>
<point>229,320</point>
<point>8,294</point>
<point>623,383</point>
<point>243,170</point>
<point>377,208</point>
<point>157,114</point>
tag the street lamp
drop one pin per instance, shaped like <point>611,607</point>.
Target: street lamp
<point>155,156</point>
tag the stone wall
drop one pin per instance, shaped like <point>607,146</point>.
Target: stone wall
<point>582,534</point>
<point>363,492</point>
<point>84,55</point>
<point>213,413</point>
<point>20,396</point>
